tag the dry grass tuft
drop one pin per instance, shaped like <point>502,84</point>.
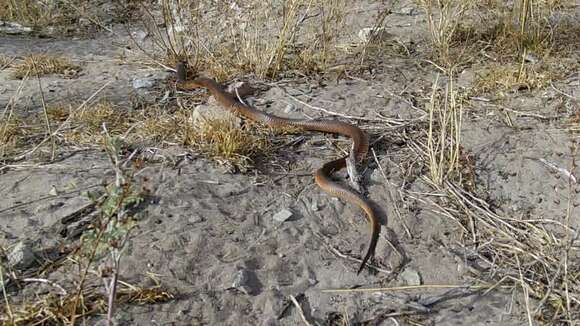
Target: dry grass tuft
<point>159,126</point>
<point>67,16</point>
<point>43,64</point>
<point>143,296</point>
<point>225,41</point>
<point>52,309</point>
<point>5,62</point>
<point>85,127</point>
<point>225,142</point>
<point>444,133</point>
<point>23,11</point>
<point>11,136</point>
<point>573,124</point>
<point>535,255</point>
<point>220,140</point>
<point>443,19</point>
<point>507,30</point>
<point>506,78</point>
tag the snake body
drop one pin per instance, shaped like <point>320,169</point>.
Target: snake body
<point>322,175</point>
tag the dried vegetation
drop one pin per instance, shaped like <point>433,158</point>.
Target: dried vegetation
<point>536,256</point>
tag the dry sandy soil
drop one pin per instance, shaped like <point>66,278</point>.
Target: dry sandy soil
<point>210,238</point>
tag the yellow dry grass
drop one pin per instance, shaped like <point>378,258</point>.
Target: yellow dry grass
<point>43,64</point>
<point>509,78</point>
<point>11,136</point>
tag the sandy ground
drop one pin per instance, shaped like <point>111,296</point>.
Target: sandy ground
<point>205,229</point>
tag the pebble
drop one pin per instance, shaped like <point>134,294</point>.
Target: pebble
<point>381,34</point>
<point>241,281</point>
<point>408,11</point>
<point>410,277</point>
<point>22,256</point>
<point>212,112</point>
<point>12,28</point>
<point>282,215</point>
<point>143,83</point>
<point>289,108</point>
<point>314,206</point>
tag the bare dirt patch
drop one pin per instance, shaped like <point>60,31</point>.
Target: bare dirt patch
<point>116,202</point>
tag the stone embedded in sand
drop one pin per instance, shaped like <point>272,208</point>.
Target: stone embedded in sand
<point>13,28</point>
<point>214,111</point>
<point>289,108</point>
<point>380,34</point>
<point>22,256</point>
<point>242,281</point>
<point>143,83</point>
<point>408,11</point>
<point>282,215</point>
<point>195,218</point>
<point>314,206</point>
<point>410,277</point>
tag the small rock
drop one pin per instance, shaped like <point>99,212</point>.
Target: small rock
<point>53,191</point>
<point>314,206</point>
<point>13,28</point>
<point>282,215</point>
<point>289,108</point>
<point>381,34</point>
<point>377,177</point>
<point>140,35</point>
<point>195,219</point>
<point>241,281</point>
<point>410,277</point>
<point>531,58</point>
<point>143,83</point>
<point>22,256</point>
<point>203,113</point>
<point>408,11</point>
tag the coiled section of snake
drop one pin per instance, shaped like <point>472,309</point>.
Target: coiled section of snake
<point>322,175</point>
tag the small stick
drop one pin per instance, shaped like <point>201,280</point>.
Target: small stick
<point>45,281</point>
<point>354,176</point>
<point>414,287</point>
<point>300,311</point>
<point>332,112</point>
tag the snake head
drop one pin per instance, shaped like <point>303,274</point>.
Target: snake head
<point>181,77</point>
<point>181,71</point>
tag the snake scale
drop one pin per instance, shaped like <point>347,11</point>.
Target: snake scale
<point>322,175</point>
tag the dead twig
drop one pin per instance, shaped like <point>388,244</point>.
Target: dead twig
<point>300,311</point>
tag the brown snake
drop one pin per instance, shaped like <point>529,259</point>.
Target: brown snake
<point>322,175</point>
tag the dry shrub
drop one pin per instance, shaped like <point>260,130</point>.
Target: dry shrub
<point>67,16</point>
<point>220,140</point>
<point>53,309</point>
<point>510,29</point>
<point>443,19</point>
<point>508,78</point>
<point>43,64</point>
<point>85,127</point>
<point>5,62</point>
<point>39,13</point>
<point>225,142</point>
<point>11,135</point>
<point>259,37</point>
<point>444,133</point>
